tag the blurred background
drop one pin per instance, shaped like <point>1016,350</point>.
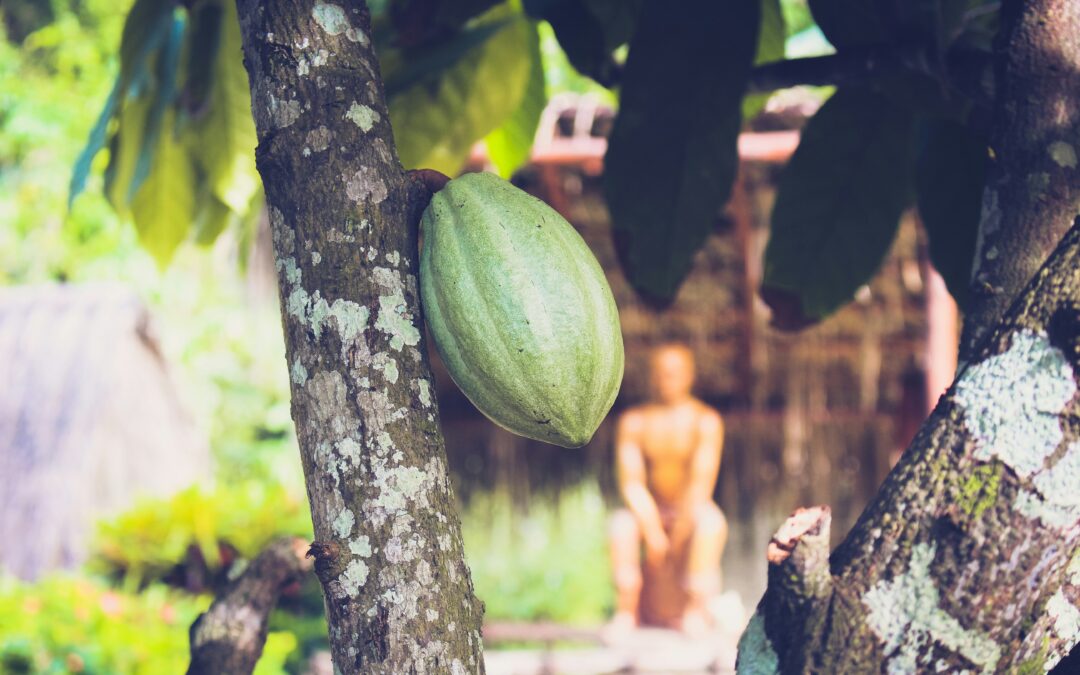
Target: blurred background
<point>146,446</point>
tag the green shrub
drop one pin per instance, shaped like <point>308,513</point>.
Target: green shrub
<point>549,562</point>
<point>71,625</point>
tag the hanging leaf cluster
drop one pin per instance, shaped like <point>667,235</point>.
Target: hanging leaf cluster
<point>911,133</point>
<point>177,126</point>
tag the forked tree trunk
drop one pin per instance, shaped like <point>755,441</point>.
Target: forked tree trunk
<point>968,558</point>
<point>343,213</point>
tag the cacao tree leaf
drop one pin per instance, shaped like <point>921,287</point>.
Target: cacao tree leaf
<point>838,204</point>
<point>213,217</point>
<point>950,176</point>
<point>436,123</point>
<point>864,23</point>
<point>164,206</point>
<point>204,42</point>
<point>771,39</point>
<point>672,154</point>
<point>508,146</point>
<point>223,139</point>
<point>419,21</point>
<point>162,90</point>
<point>94,144</point>
<point>124,149</point>
<point>430,62</point>
<point>147,25</point>
<point>589,30</point>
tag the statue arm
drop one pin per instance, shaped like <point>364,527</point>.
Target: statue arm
<point>630,467</point>
<point>705,467</point>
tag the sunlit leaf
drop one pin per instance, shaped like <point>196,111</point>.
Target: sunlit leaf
<point>223,139</point>
<point>164,206</point>
<point>436,123</point>
<point>509,145</point>
<point>838,204</point>
<point>771,39</point>
<point>162,93</point>
<point>672,155</point>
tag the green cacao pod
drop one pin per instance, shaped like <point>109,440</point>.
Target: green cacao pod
<point>519,310</point>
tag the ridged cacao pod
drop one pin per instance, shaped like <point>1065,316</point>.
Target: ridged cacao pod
<point>519,310</point>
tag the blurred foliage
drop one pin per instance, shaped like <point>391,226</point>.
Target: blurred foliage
<point>68,625</point>
<point>197,527</point>
<point>549,562</point>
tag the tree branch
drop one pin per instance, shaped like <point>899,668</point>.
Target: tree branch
<point>964,70</point>
<point>229,636</point>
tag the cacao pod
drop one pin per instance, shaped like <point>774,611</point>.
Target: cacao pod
<point>519,310</point>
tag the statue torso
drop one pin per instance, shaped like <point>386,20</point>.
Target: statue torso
<point>668,437</point>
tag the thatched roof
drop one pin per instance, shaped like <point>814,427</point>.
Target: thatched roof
<point>89,419</point>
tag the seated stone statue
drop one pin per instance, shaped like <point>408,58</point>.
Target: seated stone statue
<point>668,456</point>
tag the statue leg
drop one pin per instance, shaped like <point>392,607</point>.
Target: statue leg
<point>625,540</point>
<point>703,564</point>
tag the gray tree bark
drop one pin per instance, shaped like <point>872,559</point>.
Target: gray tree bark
<point>230,635</point>
<point>344,216</point>
<point>968,558</point>
<point>1033,185</point>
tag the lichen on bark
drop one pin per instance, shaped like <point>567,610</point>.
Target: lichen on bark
<point>343,218</point>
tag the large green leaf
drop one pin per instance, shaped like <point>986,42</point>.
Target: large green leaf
<point>508,146</point>
<point>589,30</point>
<point>771,39</point>
<point>864,23</point>
<point>951,173</point>
<point>164,206</point>
<point>124,149</point>
<point>838,204</point>
<point>223,139</point>
<point>162,91</point>
<point>148,24</point>
<point>436,122</point>
<point>673,154</point>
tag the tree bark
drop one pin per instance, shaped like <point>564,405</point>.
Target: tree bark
<point>229,636</point>
<point>968,558</point>
<point>1033,188</point>
<point>344,216</point>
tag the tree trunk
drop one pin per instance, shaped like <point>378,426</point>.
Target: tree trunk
<point>968,558</point>
<point>1033,188</point>
<point>344,215</point>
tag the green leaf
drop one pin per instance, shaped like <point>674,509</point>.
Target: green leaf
<point>162,92</point>
<point>838,205</point>
<point>204,44</point>
<point>865,23</point>
<point>94,144</point>
<point>147,25</point>
<point>951,173</point>
<point>771,39</point>
<point>436,123</point>
<point>223,140</point>
<point>672,154</point>
<point>419,21</point>
<point>429,63</point>
<point>508,146</point>
<point>213,217</point>
<point>164,206</point>
<point>124,149</point>
<point>589,30</point>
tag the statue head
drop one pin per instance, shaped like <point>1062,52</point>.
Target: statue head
<point>671,370</point>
